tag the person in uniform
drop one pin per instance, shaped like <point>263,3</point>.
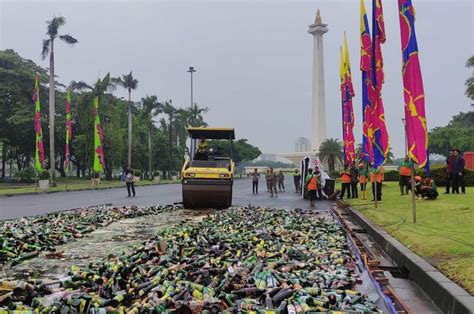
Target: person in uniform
<point>255,178</point>
<point>281,181</point>
<point>267,179</point>
<point>272,182</point>
<point>297,180</point>
<point>405,176</point>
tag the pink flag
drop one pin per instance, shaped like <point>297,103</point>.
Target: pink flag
<point>417,132</point>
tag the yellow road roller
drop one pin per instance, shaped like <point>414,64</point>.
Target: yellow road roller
<point>207,176</point>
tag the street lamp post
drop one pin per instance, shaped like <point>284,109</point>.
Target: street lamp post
<point>191,70</point>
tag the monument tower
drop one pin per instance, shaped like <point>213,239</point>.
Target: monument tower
<point>318,116</point>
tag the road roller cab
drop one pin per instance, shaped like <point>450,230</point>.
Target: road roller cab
<point>208,175</point>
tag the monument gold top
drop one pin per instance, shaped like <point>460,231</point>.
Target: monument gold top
<point>318,20</point>
<point>318,27</point>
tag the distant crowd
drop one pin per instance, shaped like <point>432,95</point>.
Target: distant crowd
<point>355,177</point>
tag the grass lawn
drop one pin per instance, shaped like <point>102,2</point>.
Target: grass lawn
<point>73,183</point>
<point>443,234</point>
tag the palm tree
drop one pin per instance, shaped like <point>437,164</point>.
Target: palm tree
<point>196,115</point>
<point>330,151</point>
<point>128,82</point>
<point>78,86</point>
<point>470,81</point>
<point>48,48</point>
<point>150,108</point>
<point>170,111</point>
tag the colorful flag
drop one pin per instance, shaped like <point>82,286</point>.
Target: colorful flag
<point>99,162</point>
<point>380,142</point>
<point>39,150</point>
<point>365,66</point>
<point>417,132</point>
<point>68,130</point>
<point>347,93</point>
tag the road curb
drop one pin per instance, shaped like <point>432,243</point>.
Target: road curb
<point>446,294</point>
<point>75,190</point>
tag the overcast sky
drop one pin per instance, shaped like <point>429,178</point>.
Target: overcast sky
<point>253,58</point>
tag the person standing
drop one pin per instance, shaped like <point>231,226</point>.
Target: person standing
<point>363,174</point>
<point>297,181</point>
<point>311,183</point>
<point>450,171</point>
<point>255,178</point>
<point>354,180</point>
<point>346,182</point>
<point>377,177</point>
<point>267,179</point>
<point>405,176</point>
<point>281,181</point>
<point>130,180</point>
<point>272,182</point>
<point>458,172</point>
<point>317,174</point>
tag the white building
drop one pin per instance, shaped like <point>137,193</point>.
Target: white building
<point>302,144</point>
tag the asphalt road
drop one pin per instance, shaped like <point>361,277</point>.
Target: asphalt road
<point>28,205</point>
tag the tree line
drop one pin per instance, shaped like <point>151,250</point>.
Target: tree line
<point>149,146</point>
<point>159,128</point>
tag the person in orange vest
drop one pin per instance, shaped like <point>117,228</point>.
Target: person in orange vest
<point>376,177</point>
<point>346,179</point>
<point>405,176</point>
<point>363,174</point>
<point>312,186</point>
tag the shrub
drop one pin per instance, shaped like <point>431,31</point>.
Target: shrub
<point>392,175</point>
<point>137,173</point>
<point>44,175</point>
<point>156,173</point>
<point>26,175</point>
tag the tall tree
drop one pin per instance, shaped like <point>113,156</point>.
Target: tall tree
<point>48,48</point>
<point>128,82</point>
<point>171,112</point>
<point>195,117</point>
<point>459,133</point>
<point>150,108</point>
<point>470,81</point>
<point>330,151</point>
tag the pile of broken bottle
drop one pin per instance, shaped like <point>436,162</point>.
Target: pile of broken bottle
<point>25,238</point>
<point>242,260</point>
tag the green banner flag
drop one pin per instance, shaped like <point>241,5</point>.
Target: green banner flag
<point>99,162</point>
<point>39,150</point>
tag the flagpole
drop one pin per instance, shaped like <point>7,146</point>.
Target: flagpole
<point>36,182</point>
<point>375,192</point>
<point>412,176</point>
<point>413,201</point>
